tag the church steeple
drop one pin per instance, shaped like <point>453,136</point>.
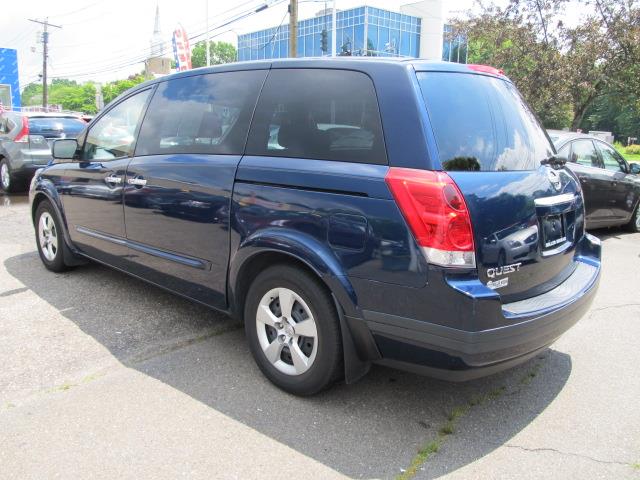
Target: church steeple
<point>157,43</point>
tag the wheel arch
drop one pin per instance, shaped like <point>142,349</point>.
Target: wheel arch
<point>41,194</point>
<point>278,247</point>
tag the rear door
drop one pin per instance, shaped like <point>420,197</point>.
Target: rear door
<point>596,182</point>
<point>491,144</point>
<point>178,186</point>
<point>92,187</point>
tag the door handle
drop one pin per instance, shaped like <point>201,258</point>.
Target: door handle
<point>137,181</point>
<point>113,179</point>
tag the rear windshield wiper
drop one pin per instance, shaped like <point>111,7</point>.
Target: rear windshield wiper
<point>554,161</point>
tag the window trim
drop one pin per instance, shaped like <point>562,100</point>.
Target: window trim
<point>143,113</point>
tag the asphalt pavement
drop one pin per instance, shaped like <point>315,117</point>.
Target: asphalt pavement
<point>104,376</point>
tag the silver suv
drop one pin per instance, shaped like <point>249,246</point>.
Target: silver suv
<point>25,143</point>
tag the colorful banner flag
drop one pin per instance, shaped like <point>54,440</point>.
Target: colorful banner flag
<point>181,49</point>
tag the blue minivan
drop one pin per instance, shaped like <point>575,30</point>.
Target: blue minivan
<point>349,211</point>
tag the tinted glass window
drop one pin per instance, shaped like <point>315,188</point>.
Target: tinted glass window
<point>482,123</point>
<point>113,135</point>
<point>201,114</point>
<point>318,114</point>
<point>584,153</point>
<point>611,158</point>
<point>55,125</point>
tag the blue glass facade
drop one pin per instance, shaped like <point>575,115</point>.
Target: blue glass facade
<point>360,31</point>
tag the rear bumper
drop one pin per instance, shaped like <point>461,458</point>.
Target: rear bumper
<point>530,326</point>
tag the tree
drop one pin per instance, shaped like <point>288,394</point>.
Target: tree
<point>112,89</point>
<point>220,52</point>
<point>67,93</point>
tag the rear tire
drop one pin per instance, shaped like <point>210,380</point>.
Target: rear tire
<point>634,223</point>
<point>49,238</point>
<point>293,330</point>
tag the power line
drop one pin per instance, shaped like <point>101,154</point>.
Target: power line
<point>144,52</point>
<point>86,7</point>
<point>140,58</point>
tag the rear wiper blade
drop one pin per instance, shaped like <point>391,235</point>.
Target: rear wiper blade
<point>555,161</point>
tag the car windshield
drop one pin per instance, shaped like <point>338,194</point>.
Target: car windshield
<point>482,123</point>
<point>43,125</point>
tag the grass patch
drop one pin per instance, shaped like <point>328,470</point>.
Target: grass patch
<point>635,466</point>
<point>422,456</point>
<point>531,374</point>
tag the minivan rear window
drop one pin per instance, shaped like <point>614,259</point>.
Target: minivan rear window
<point>482,123</point>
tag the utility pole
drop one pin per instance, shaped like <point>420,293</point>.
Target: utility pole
<point>293,28</point>
<point>207,38</point>
<point>45,53</point>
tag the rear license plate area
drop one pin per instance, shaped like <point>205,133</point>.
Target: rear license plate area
<point>553,231</point>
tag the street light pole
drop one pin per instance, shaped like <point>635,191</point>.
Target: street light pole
<point>333,30</point>
<point>293,28</point>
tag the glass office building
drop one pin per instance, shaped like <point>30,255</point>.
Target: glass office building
<point>360,31</point>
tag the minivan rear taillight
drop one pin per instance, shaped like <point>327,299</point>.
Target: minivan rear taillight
<point>437,214</point>
<point>23,134</point>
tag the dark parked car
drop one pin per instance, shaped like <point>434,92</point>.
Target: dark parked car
<point>25,144</point>
<point>340,207</point>
<point>610,185</point>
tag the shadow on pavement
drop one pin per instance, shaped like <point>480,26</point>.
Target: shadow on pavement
<point>371,429</point>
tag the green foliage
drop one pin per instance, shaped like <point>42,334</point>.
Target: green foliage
<point>632,150</point>
<point>32,94</point>
<point>220,52</point>
<point>112,89</point>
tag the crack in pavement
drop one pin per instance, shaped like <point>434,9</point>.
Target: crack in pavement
<point>624,305</point>
<point>560,452</point>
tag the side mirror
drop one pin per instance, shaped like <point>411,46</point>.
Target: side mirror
<point>65,149</point>
<point>634,168</point>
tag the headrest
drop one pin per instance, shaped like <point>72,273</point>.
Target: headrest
<point>210,125</point>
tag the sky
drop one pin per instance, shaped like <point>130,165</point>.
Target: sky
<point>104,40</point>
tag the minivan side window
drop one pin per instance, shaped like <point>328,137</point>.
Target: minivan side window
<point>584,153</point>
<point>318,114</point>
<point>113,135</point>
<point>207,114</point>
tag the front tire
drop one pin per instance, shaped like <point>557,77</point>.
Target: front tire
<point>49,238</point>
<point>634,223</point>
<point>293,330</point>
<point>8,182</point>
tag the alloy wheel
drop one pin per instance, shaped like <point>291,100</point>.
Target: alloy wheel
<point>287,331</point>
<point>48,236</point>
<point>5,177</point>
